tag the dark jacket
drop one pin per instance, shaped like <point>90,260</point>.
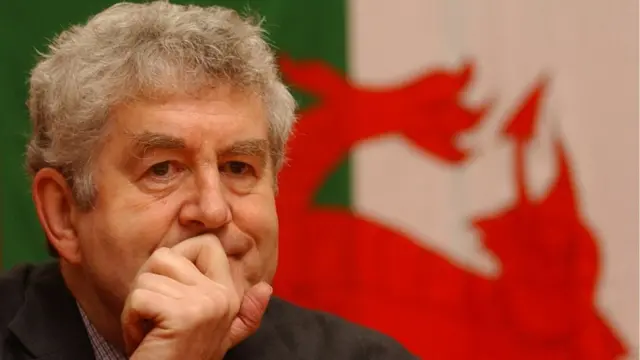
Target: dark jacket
<point>39,319</point>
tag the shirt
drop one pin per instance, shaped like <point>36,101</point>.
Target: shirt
<point>101,348</point>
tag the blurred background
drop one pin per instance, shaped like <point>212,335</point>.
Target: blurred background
<point>464,175</point>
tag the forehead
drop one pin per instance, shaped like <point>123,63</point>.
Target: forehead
<point>214,117</point>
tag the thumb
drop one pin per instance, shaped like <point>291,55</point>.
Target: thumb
<point>253,306</point>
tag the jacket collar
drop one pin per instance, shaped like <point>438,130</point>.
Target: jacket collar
<point>49,324</point>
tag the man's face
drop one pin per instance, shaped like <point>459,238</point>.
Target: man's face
<point>175,169</point>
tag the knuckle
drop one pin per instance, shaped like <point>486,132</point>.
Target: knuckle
<point>137,298</point>
<point>218,301</point>
<point>160,254</point>
<point>160,259</point>
<point>144,279</point>
<point>217,304</point>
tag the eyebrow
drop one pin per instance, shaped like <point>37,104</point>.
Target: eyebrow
<point>145,141</point>
<point>254,148</point>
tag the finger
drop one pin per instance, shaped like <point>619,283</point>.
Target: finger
<point>207,253</point>
<point>161,284</point>
<point>252,309</point>
<point>140,306</point>
<point>167,263</point>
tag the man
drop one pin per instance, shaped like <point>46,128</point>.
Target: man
<point>158,132</point>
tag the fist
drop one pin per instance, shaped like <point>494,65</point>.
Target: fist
<point>183,304</point>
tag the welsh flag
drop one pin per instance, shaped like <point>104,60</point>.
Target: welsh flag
<point>463,176</point>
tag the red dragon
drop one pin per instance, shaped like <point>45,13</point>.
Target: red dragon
<point>541,306</point>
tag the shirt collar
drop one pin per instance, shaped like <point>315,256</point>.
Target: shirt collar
<point>101,347</point>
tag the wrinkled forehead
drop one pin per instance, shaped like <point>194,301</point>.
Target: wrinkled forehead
<point>215,118</point>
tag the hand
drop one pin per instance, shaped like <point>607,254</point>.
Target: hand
<point>184,305</point>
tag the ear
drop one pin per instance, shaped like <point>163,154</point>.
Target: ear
<point>57,210</point>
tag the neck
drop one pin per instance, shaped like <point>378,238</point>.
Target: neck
<point>103,314</point>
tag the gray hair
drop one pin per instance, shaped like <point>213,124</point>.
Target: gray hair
<point>143,51</point>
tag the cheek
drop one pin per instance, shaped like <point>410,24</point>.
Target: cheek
<point>132,230</point>
<point>256,216</point>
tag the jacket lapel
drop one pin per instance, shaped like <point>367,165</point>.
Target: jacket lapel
<point>49,323</point>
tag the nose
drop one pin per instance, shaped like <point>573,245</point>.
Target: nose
<point>209,208</point>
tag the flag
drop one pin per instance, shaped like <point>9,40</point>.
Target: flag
<point>462,177</point>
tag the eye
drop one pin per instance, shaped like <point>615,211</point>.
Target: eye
<point>161,169</point>
<point>237,168</point>
<point>165,170</point>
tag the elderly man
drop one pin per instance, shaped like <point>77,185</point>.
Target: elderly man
<point>158,132</point>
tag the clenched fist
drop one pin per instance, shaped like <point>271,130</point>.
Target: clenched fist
<point>183,304</point>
